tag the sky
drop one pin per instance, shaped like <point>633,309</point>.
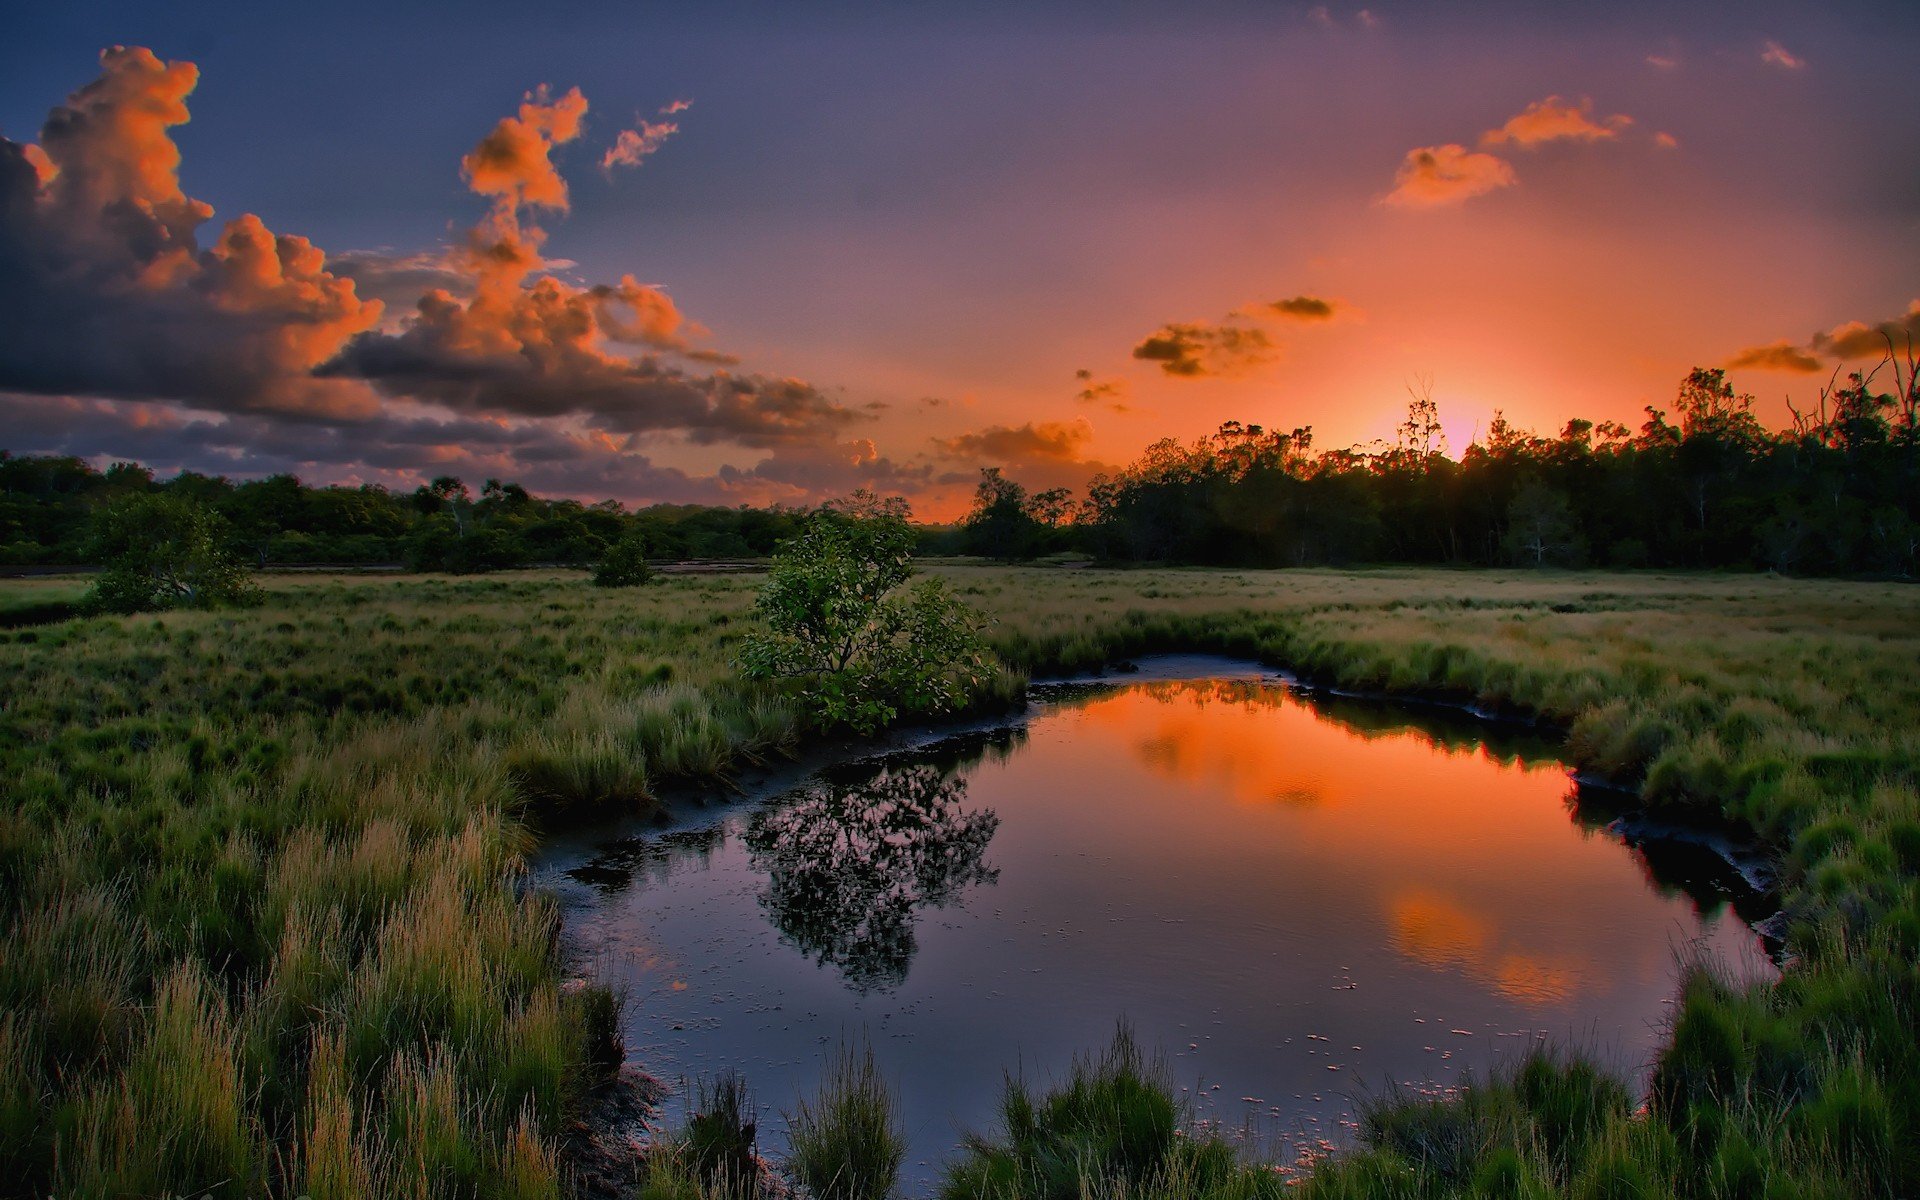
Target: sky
<point>769,254</point>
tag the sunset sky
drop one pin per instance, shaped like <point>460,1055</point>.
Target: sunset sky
<point>751,254</point>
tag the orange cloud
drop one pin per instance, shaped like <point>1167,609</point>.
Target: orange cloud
<point>1854,339</point>
<point>108,291</point>
<point>1859,339</point>
<point>515,161</point>
<point>632,145</point>
<point>1034,442</point>
<point>1438,176</point>
<point>1555,120</point>
<point>522,342</point>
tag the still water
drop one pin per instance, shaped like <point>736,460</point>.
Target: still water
<point>1297,900</point>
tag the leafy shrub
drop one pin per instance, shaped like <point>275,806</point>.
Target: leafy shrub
<point>625,562</point>
<point>861,647</point>
<point>164,551</point>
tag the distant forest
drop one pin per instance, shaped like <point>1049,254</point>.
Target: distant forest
<point>1837,492</point>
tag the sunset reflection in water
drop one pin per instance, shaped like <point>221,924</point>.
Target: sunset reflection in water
<point>1297,899</point>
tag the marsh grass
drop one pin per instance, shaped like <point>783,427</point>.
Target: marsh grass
<point>847,1143</point>
<point>1111,1127</point>
<point>721,1143</point>
<point>262,928</point>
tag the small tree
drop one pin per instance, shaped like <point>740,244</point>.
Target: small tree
<point>845,629</point>
<point>625,562</point>
<point>162,551</point>
<point>1001,525</point>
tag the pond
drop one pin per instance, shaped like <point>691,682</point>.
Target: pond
<point>1299,900</point>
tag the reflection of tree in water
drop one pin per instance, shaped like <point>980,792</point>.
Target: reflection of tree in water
<point>650,860</point>
<point>847,865</point>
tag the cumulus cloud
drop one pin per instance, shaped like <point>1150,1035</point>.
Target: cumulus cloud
<point>525,343</point>
<point>514,163</point>
<point>1666,141</point>
<point>125,331</point>
<point>1776,55</point>
<point>1192,350</point>
<point>1775,356</point>
<point>1555,120</point>
<point>1439,176</point>
<point>105,289</point>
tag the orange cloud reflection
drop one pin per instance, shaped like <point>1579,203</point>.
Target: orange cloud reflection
<point>1436,931</point>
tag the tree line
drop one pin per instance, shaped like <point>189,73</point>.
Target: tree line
<point>1705,485</point>
<point>55,510</point>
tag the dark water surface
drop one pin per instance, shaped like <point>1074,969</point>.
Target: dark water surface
<point>1296,900</point>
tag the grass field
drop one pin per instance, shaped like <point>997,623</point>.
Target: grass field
<point>264,934</point>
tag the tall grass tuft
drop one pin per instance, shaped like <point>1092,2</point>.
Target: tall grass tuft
<point>847,1143</point>
<point>1113,1125</point>
<point>721,1142</point>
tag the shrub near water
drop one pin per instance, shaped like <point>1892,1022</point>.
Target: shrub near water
<point>857,646</point>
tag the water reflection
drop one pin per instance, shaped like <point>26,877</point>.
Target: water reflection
<point>652,860</point>
<point>847,866</point>
<point>1298,898</point>
<point>1439,932</point>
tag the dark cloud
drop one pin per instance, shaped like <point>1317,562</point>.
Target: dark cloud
<point>404,451</point>
<point>1110,394</point>
<point>1301,308</point>
<point>550,366</point>
<point>1775,356</point>
<point>399,280</point>
<point>1853,340</point>
<point>1191,350</point>
<point>1040,454</point>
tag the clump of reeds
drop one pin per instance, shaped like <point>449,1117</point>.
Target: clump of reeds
<point>847,1143</point>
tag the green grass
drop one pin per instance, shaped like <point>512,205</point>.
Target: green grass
<point>847,1143</point>
<point>261,928</point>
